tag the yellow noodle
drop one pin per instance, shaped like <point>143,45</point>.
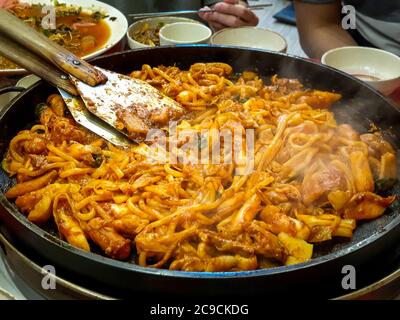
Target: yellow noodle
<point>203,216</point>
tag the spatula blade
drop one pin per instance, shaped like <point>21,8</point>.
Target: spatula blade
<point>130,105</point>
<point>81,115</point>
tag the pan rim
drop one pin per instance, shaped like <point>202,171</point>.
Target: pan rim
<point>131,267</point>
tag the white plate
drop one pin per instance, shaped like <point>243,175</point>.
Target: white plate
<point>118,26</point>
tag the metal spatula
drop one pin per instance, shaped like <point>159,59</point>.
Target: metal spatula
<point>114,106</point>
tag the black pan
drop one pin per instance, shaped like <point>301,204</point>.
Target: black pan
<point>320,277</point>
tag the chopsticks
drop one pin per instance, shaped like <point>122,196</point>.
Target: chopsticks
<point>137,16</point>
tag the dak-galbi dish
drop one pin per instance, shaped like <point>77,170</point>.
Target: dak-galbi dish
<point>312,179</point>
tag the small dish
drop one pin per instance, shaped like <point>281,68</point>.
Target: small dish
<point>184,33</point>
<point>379,68</point>
<point>250,37</point>
<point>152,23</point>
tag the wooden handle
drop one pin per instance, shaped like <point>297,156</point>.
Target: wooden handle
<point>35,64</point>
<point>36,42</point>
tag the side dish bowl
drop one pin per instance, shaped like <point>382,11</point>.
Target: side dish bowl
<point>115,20</point>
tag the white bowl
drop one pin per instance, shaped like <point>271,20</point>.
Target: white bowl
<point>115,20</point>
<point>250,37</point>
<point>379,68</point>
<point>153,23</point>
<point>184,33</point>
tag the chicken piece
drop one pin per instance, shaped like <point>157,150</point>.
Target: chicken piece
<point>41,213</point>
<point>275,197</point>
<point>31,185</point>
<point>320,182</point>
<point>67,225</point>
<point>377,146</point>
<point>276,222</point>
<point>283,86</point>
<point>129,225</point>
<point>265,243</point>
<point>320,99</point>
<point>111,242</point>
<point>27,202</point>
<point>366,205</point>
<point>57,104</point>
<point>39,161</point>
<point>83,153</point>
<point>36,145</point>
<point>133,124</point>
<point>225,244</point>
<point>63,129</point>
<point>361,171</point>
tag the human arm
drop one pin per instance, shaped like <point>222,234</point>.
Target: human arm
<point>319,27</point>
<point>229,13</point>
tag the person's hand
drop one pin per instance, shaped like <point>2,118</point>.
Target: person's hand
<point>229,13</point>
